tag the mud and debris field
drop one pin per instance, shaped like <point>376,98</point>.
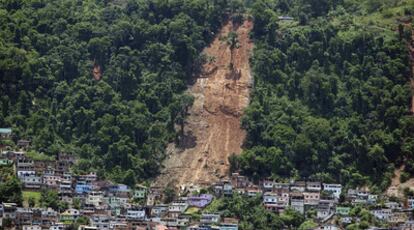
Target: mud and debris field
<point>212,129</point>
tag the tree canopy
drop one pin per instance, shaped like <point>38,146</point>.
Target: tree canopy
<point>144,54</point>
<point>331,99</point>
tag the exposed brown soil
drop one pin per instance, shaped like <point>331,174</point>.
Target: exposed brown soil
<point>397,188</point>
<point>97,72</point>
<point>212,130</point>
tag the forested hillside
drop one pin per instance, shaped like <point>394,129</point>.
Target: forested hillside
<point>104,80</point>
<point>101,79</point>
<point>332,96</point>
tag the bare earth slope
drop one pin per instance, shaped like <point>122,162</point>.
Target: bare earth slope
<point>397,188</point>
<point>212,130</point>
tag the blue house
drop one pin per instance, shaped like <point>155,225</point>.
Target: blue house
<point>119,188</point>
<point>82,187</point>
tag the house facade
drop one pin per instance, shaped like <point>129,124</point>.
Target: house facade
<point>335,189</point>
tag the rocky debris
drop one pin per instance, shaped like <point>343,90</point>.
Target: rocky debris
<point>221,95</point>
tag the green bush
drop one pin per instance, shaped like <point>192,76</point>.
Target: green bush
<point>404,177</point>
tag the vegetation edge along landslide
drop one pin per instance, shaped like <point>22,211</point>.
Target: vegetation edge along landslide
<point>103,80</point>
<point>330,100</point>
<point>212,129</point>
<point>332,96</point>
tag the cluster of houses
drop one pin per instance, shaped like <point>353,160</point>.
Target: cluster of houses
<point>116,206</point>
<point>105,204</point>
<point>327,201</point>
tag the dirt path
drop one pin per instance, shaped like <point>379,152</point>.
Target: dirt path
<point>212,131</point>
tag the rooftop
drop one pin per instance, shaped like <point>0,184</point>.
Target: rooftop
<point>5,130</point>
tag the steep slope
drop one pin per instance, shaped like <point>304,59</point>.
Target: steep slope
<point>212,131</point>
<point>397,187</point>
<point>411,48</point>
<point>101,83</point>
<point>324,107</point>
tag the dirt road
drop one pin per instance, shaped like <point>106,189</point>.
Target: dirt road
<point>212,130</point>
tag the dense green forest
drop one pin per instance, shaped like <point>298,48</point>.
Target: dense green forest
<point>146,51</point>
<point>332,96</point>
<point>10,186</point>
<point>330,101</point>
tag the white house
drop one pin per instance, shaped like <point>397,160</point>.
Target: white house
<point>31,181</point>
<point>101,222</point>
<point>9,210</point>
<point>227,189</point>
<point>372,198</point>
<point>299,186</point>
<point>135,214</point>
<point>183,221</point>
<point>253,192</point>
<point>118,224</point>
<point>25,167</point>
<point>57,226</point>
<point>313,186</point>
<point>158,210</point>
<point>270,201</point>
<point>51,180</point>
<point>32,227</point>
<point>335,189</point>
<point>327,227</point>
<point>178,206</point>
<point>382,214</point>
<point>392,205</point>
<point>270,198</point>
<point>284,186</point>
<point>208,218</point>
<point>322,212</point>
<point>268,185</point>
<point>85,227</point>
<point>24,173</point>
<point>70,214</point>
<point>95,198</point>
<point>325,209</point>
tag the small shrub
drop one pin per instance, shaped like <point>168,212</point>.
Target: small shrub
<point>387,14</point>
<point>408,11</point>
<point>404,177</point>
